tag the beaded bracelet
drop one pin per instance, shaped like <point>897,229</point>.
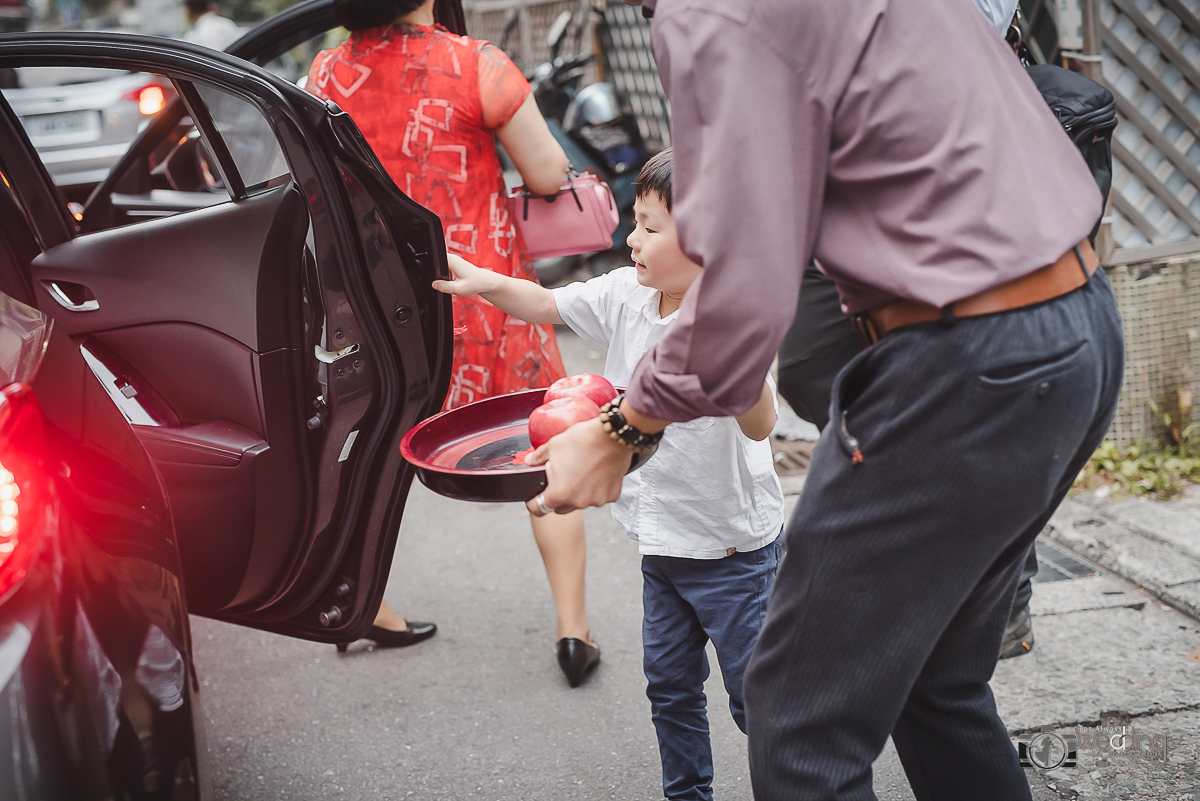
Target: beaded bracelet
<point>620,430</point>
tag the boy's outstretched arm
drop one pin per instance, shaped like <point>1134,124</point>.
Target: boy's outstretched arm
<point>516,297</point>
<point>759,420</point>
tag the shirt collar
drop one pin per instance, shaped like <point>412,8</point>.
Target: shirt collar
<point>650,310</point>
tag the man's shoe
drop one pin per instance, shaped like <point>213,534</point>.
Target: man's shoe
<point>1018,634</point>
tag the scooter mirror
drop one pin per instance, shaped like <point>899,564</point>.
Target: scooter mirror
<point>558,29</point>
<point>511,18</point>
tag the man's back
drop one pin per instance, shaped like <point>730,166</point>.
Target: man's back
<point>924,132</point>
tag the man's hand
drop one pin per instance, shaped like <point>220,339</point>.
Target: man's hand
<point>584,467</point>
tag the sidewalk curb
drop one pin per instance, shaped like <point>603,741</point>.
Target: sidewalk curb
<point>1096,531</point>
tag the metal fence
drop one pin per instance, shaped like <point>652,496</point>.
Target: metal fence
<point>625,41</point>
<point>1160,307</point>
<point>1151,49</point>
<point>614,32</point>
<point>526,44</point>
<point>1148,53</point>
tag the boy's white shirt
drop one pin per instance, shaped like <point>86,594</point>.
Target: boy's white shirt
<point>709,488</point>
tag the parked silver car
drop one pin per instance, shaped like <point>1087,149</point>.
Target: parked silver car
<point>82,120</point>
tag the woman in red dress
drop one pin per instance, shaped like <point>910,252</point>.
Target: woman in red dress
<point>430,103</point>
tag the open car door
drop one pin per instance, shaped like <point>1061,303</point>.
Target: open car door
<point>270,348</point>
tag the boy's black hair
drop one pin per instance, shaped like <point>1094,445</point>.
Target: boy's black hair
<point>655,178</point>
<point>359,15</point>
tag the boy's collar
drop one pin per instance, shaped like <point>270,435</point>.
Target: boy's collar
<point>650,309</point>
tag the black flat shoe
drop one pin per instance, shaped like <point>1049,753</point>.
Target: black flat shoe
<point>386,638</point>
<point>577,659</point>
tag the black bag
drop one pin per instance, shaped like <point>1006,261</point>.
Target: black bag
<point>1087,112</point>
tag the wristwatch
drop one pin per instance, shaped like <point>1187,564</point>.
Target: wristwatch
<point>620,429</point>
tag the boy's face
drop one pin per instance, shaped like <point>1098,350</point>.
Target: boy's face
<point>657,256</point>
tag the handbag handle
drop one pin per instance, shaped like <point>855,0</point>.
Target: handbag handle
<point>572,174</point>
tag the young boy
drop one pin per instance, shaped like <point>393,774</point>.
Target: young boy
<point>706,509</point>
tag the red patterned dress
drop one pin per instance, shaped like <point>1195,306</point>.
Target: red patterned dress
<point>429,102</point>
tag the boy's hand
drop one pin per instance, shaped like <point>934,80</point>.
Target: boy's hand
<point>468,279</point>
<point>525,300</point>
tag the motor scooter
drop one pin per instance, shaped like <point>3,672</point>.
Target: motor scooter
<point>596,130</point>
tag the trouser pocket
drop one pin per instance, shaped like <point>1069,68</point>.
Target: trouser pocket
<point>846,387</point>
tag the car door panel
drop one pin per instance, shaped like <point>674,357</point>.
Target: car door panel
<point>215,381</point>
<point>302,453</point>
<point>210,332</point>
<point>204,281</point>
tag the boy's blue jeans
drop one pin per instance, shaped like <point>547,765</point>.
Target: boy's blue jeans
<point>686,603</point>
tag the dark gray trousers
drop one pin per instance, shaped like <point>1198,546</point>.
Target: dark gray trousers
<point>899,572</point>
<point>820,342</point>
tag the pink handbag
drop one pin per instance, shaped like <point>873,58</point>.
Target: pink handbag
<point>579,218</point>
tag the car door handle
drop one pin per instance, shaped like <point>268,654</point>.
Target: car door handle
<point>329,357</point>
<point>65,295</point>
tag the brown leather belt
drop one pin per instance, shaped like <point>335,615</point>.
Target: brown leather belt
<point>1063,276</point>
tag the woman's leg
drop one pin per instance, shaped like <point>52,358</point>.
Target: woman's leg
<point>389,630</point>
<point>560,538</point>
<point>387,618</point>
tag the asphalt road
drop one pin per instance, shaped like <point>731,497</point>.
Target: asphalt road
<point>480,711</point>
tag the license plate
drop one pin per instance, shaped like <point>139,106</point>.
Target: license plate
<point>64,128</point>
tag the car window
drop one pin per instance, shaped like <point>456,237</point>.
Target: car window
<point>177,169</point>
<point>182,169</point>
<point>249,138</point>
<point>81,120</point>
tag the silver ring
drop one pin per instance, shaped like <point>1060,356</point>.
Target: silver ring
<point>542,507</point>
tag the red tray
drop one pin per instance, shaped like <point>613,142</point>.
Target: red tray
<point>466,453</point>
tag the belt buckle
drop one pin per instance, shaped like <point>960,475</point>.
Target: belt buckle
<point>864,327</point>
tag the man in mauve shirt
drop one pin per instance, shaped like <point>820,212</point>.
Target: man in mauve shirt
<point>901,144</point>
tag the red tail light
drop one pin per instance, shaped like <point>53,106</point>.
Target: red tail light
<point>22,484</point>
<point>151,99</point>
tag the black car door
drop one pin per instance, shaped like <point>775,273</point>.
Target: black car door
<point>270,349</point>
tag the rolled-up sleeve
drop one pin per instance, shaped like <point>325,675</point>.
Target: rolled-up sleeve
<point>751,144</point>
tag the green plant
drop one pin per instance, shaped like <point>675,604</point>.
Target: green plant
<point>1159,472</point>
<point>1156,470</point>
<point>1174,415</point>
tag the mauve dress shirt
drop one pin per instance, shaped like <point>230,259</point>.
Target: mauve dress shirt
<point>899,142</point>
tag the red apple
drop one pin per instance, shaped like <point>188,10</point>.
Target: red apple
<point>591,386</point>
<point>556,416</point>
